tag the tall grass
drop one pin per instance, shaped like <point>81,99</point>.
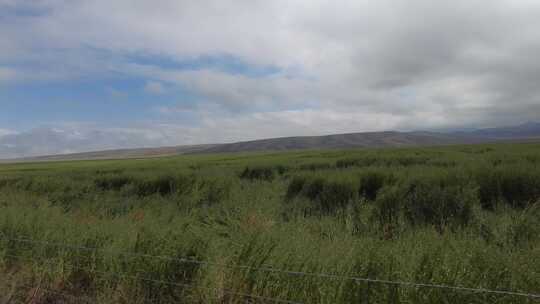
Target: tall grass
<point>461,216</point>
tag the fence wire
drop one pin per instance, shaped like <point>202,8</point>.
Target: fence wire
<point>121,275</point>
<point>190,260</point>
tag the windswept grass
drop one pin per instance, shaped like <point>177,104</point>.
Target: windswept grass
<point>125,231</point>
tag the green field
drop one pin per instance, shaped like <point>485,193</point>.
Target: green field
<point>130,231</point>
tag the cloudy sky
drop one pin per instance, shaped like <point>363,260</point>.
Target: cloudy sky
<point>89,75</point>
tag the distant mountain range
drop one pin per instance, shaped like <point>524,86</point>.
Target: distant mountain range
<point>527,131</point>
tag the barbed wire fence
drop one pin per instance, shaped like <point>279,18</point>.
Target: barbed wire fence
<point>121,275</point>
<point>247,296</point>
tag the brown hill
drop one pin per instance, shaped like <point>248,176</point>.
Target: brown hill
<point>522,132</point>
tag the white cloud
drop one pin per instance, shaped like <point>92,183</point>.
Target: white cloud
<point>154,87</point>
<point>359,65</point>
<point>359,45</point>
<point>116,93</point>
<point>303,122</point>
<point>4,132</point>
<point>74,137</point>
<point>71,138</point>
<point>7,75</point>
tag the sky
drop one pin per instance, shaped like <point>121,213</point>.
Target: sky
<point>90,75</point>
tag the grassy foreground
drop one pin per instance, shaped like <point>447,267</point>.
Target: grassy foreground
<point>116,231</point>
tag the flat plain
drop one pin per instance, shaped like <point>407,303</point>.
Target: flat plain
<point>213,228</point>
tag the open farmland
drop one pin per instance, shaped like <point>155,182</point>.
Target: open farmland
<point>215,228</point>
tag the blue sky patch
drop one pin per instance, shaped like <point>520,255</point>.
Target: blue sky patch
<point>224,63</point>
